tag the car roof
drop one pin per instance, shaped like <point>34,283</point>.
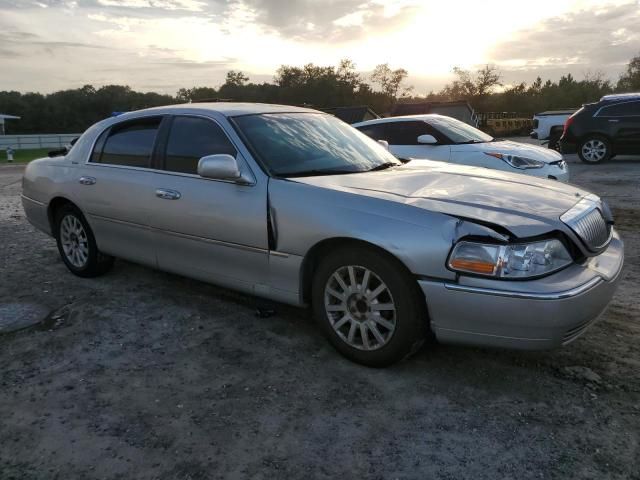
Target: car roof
<point>620,96</point>
<point>228,109</point>
<point>402,118</point>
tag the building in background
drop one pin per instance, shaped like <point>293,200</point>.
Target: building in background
<point>3,118</point>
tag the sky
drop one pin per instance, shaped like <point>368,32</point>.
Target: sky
<point>163,45</point>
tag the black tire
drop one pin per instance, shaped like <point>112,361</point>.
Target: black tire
<point>594,140</point>
<point>410,315</point>
<point>554,142</point>
<point>96,263</point>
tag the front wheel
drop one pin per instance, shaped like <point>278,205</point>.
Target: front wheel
<point>368,306</point>
<point>594,149</point>
<point>77,245</point>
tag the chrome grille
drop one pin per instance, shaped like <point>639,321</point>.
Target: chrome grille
<point>587,221</point>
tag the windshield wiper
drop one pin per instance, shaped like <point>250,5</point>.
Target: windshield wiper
<point>469,142</point>
<point>383,166</point>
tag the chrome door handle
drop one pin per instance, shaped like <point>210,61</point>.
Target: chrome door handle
<point>614,120</point>
<point>167,194</point>
<point>87,180</point>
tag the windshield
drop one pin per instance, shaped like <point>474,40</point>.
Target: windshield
<point>459,132</point>
<point>290,144</point>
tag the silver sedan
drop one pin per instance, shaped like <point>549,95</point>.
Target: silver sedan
<point>293,205</point>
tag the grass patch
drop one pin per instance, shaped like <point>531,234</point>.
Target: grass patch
<point>24,156</point>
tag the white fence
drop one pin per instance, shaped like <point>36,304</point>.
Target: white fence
<point>26,142</point>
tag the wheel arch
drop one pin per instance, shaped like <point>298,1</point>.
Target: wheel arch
<point>324,247</point>
<point>588,135</point>
<point>54,205</point>
<point>608,138</point>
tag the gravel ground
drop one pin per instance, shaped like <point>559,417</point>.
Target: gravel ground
<point>142,374</point>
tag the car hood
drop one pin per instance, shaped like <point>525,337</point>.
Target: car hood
<point>508,147</point>
<point>524,205</point>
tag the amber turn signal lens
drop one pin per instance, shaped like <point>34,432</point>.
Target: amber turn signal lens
<point>473,266</point>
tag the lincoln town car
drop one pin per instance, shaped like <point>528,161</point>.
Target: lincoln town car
<point>295,206</point>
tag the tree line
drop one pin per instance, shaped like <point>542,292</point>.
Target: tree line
<point>73,110</point>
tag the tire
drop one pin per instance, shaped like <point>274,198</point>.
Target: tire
<point>554,142</point>
<point>595,149</point>
<point>77,245</point>
<point>397,312</point>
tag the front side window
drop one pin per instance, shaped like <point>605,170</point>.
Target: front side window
<point>405,133</point>
<point>375,131</point>
<point>459,132</point>
<point>192,138</point>
<point>290,144</point>
<point>130,143</point>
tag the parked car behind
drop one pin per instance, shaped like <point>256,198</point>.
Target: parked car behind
<point>437,137</point>
<point>599,131</point>
<point>548,126</point>
<point>296,206</point>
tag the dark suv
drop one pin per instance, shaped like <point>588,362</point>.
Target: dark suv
<point>599,131</point>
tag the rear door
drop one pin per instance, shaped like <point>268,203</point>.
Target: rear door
<point>116,188</point>
<point>623,121</point>
<point>208,229</point>
<point>403,141</point>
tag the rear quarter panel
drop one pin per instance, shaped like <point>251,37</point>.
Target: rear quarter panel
<point>44,180</point>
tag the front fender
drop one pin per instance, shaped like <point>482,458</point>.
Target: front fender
<point>306,215</point>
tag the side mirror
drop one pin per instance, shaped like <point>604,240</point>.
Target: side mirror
<point>427,139</point>
<point>219,167</point>
<point>384,143</point>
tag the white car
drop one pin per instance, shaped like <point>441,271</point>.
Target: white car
<point>436,137</point>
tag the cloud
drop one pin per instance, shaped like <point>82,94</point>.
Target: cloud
<point>603,38</point>
<point>329,20</point>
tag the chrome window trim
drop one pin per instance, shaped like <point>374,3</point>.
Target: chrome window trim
<point>573,292</point>
<point>245,163</point>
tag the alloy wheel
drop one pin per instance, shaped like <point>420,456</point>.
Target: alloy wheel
<point>360,307</point>
<point>75,243</point>
<point>594,150</point>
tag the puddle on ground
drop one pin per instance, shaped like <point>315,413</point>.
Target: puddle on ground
<point>19,316</point>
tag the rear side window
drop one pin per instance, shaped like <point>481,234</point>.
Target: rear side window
<point>626,109</point>
<point>375,131</point>
<point>192,138</point>
<point>129,144</point>
<point>405,133</point>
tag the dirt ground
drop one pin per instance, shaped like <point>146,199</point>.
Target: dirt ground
<point>142,374</point>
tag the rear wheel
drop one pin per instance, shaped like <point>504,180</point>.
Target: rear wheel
<point>594,149</point>
<point>77,245</point>
<point>368,306</point>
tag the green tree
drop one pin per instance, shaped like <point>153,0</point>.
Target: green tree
<point>390,82</point>
<point>630,79</point>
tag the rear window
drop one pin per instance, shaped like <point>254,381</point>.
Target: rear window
<point>129,144</point>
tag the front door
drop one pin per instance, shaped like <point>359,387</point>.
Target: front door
<point>207,229</point>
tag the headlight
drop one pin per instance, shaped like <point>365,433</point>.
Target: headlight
<point>519,260</point>
<point>515,161</point>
